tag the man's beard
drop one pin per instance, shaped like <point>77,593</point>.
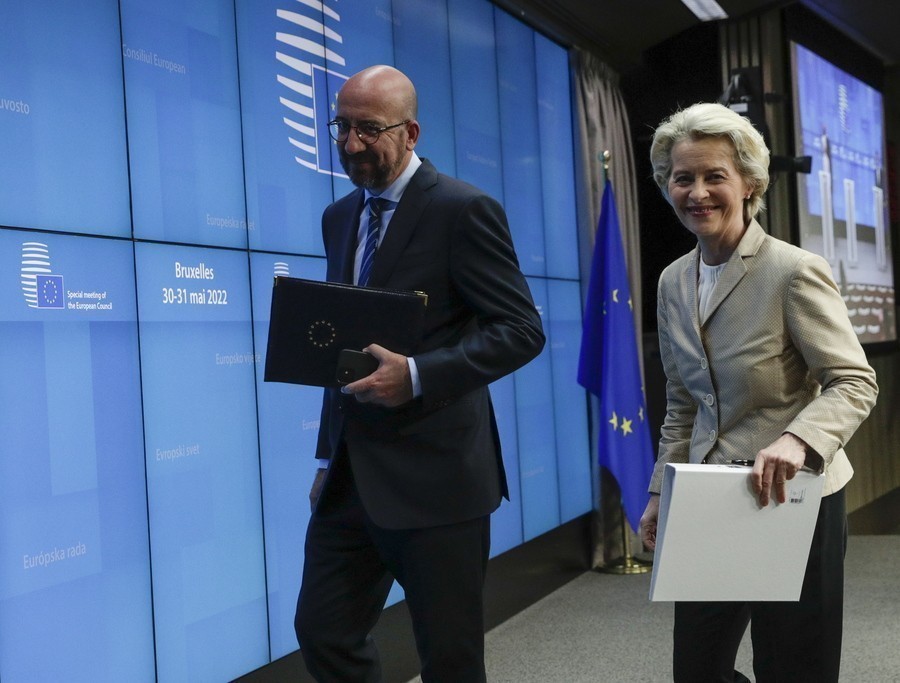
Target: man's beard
<point>376,177</point>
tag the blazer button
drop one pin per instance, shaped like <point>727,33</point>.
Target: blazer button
<point>703,363</point>
<point>709,400</point>
<point>712,435</point>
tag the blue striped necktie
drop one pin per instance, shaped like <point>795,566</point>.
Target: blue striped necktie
<point>376,206</point>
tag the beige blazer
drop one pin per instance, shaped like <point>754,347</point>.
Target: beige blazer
<point>776,354</point>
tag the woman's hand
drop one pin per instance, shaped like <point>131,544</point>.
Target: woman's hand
<point>775,465</point>
<point>648,522</point>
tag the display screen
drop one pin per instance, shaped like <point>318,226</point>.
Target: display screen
<point>423,29</point>
<point>476,112</point>
<point>557,158</point>
<point>203,492</point>
<point>843,211</point>
<point>184,122</point>
<point>521,145</point>
<point>538,474</point>
<point>562,324</point>
<point>159,164</point>
<point>63,159</point>
<point>288,429</point>
<point>74,550</point>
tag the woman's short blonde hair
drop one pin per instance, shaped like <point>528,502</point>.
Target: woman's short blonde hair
<point>707,119</point>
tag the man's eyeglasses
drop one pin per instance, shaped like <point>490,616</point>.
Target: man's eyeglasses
<point>368,133</point>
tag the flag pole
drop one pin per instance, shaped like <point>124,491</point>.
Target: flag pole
<point>627,564</point>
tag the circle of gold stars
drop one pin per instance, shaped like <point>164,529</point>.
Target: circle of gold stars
<point>321,333</point>
<point>50,291</point>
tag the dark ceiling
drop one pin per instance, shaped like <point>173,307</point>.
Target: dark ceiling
<point>623,29</point>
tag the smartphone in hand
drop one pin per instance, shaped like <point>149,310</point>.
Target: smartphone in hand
<point>353,365</point>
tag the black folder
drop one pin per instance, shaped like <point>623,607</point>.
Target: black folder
<point>312,321</point>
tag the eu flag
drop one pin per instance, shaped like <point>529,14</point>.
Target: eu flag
<point>50,291</point>
<point>609,368</point>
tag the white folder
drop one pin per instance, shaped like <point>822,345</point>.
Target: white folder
<point>715,543</point>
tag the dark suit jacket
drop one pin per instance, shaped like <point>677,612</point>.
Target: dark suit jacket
<point>437,459</point>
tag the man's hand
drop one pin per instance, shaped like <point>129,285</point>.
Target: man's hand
<point>649,520</point>
<point>389,386</point>
<point>316,489</point>
<point>776,464</point>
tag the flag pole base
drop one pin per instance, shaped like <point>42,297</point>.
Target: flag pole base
<point>625,565</point>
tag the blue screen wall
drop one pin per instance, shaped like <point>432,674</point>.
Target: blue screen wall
<point>159,164</point>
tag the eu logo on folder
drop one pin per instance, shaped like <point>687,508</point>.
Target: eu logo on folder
<point>312,321</point>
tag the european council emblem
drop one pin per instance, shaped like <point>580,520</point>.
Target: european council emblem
<point>310,82</point>
<point>41,288</point>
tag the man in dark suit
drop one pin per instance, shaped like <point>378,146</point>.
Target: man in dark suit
<point>412,464</point>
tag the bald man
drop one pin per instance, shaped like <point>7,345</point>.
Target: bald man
<point>410,462</point>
